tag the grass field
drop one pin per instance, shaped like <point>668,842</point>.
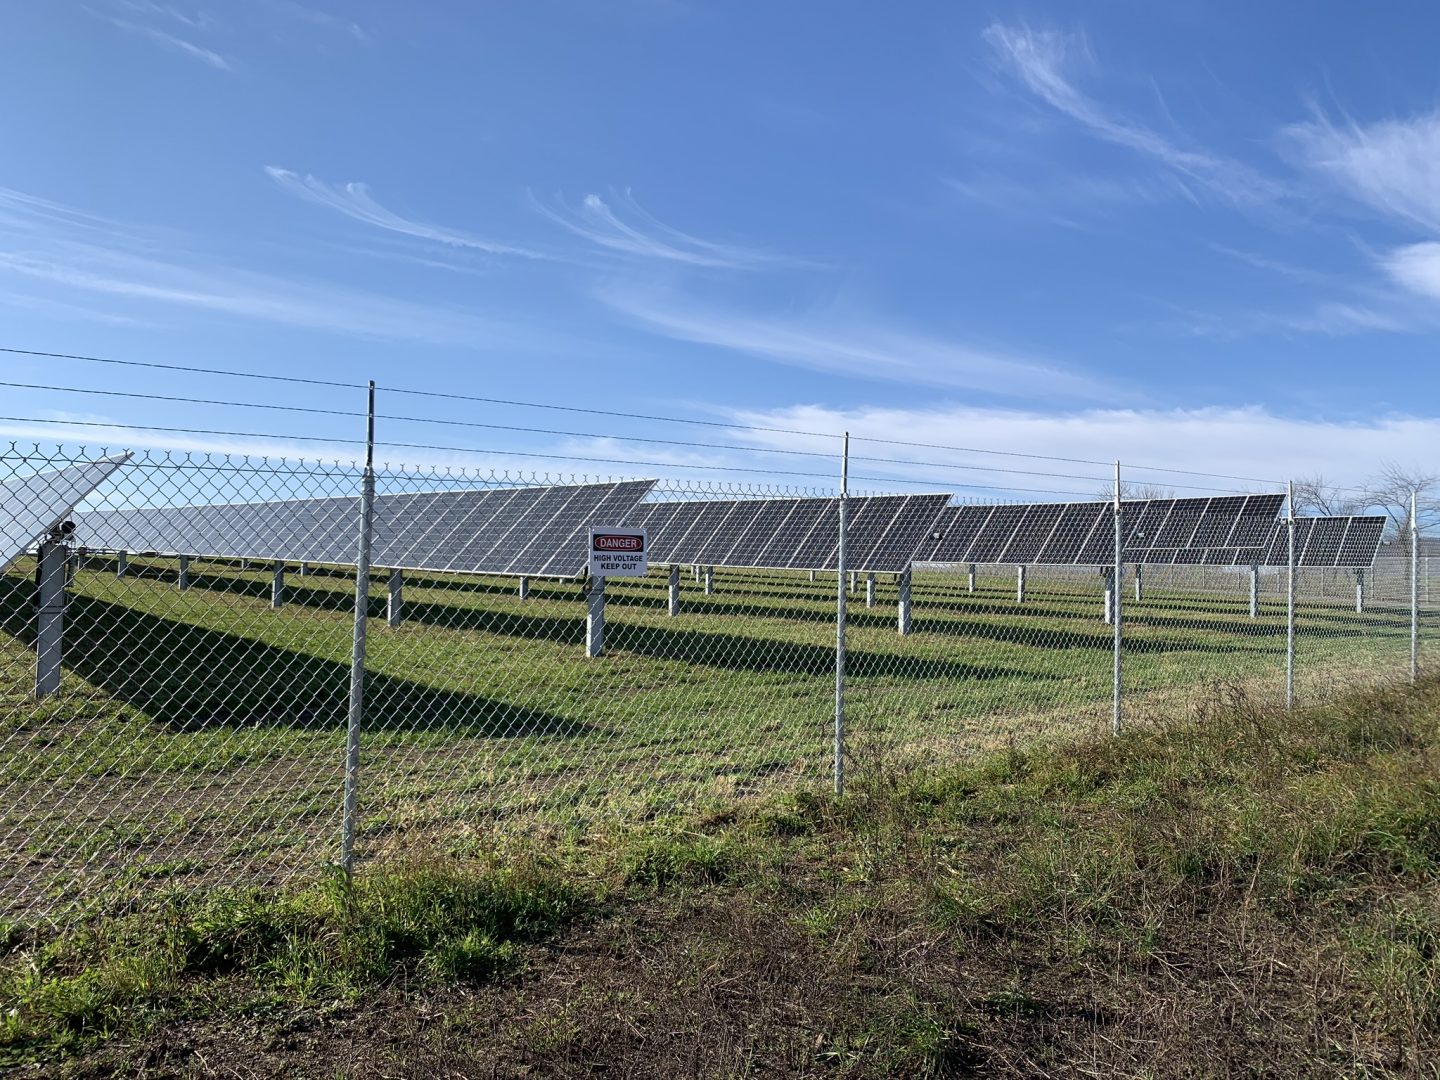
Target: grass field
<point>1239,892</point>
<point>199,736</point>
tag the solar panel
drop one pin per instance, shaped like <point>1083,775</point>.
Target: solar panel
<point>995,534</point>
<point>1033,532</point>
<point>1345,542</point>
<point>803,534</point>
<point>1211,530</point>
<point>957,528</point>
<point>1362,542</point>
<point>1077,524</point>
<point>785,545</point>
<point>516,531</point>
<point>30,506</point>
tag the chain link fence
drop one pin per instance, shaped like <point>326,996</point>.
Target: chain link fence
<point>198,733</point>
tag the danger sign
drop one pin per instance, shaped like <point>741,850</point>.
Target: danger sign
<point>618,551</point>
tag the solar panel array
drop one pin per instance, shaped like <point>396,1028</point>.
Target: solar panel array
<point>539,531</point>
<point>1211,531</point>
<point>1349,542</point>
<point>30,506</point>
<point>882,532</point>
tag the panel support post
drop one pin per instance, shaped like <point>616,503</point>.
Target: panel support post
<point>304,569</point>
<point>49,617</point>
<point>970,581</point>
<point>595,617</point>
<point>674,590</point>
<point>1414,587</point>
<point>277,587</point>
<point>1139,582</point>
<point>122,563</point>
<point>709,581</point>
<point>1118,603</point>
<point>695,572</point>
<point>395,600</point>
<point>1109,604</point>
<point>839,749</point>
<point>869,590</point>
<point>182,578</point>
<point>903,605</point>
<point>1020,584</point>
<point>357,649</point>
<point>1290,597</point>
<point>852,582</point>
<point>1254,590</point>
<point>523,590</point>
<point>812,575</point>
<point>1359,592</point>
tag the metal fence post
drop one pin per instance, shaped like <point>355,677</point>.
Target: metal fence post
<point>49,616</point>
<point>1414,587</point>
<point>1290,600</point>
<point>357,651</point>
<point>1117,603</point>
<point>839,765</point>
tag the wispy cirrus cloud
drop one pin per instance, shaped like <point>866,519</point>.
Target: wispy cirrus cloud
<point>318,17</point>
<point>1042,61</point>
<point>355,201</point>
<point>637,233</point>
<point>1392,166</point>
<point>70,254</point>
<point>173,42</point>
<point>844,345</point>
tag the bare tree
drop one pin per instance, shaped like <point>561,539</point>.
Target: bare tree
<point>1314,495</point>
<point>1136,492</point>
<point>1391,489</point>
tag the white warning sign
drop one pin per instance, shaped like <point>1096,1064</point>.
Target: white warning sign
<point>618,551</point>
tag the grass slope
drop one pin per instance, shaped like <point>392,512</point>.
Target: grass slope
<point>1239,892</point>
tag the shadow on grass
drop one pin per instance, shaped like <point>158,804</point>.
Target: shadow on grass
<point>190,678</point>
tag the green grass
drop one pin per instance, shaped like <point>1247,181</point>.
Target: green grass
<point>1242,889</point>
<point>199,737</point>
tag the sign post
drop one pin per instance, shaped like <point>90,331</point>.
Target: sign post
<point>615,551</point>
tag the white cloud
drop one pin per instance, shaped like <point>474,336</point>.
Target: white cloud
<point>1392,166</point>
<point>596,221</point>
<point>845,346</point>
<point>1416,267</point>
<point>355,201</point>
<point>1245,442</point>
<point>1041,60</point>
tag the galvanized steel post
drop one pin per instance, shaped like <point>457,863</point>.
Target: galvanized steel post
<point>1290,600</point>
<point>50,616</point>
<point>1117,603</point>
<point>357,649</point>
<point>1414,587</point>
<point>903,602</point>
<point>395,601</point>
<point>839,764</point>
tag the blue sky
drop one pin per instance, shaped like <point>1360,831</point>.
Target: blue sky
<point>1205,235</point>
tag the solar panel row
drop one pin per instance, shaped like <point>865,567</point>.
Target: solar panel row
<point>30,506</point>
<point>1213,530</point>
<point>882,532</point>
<point>539,532</point>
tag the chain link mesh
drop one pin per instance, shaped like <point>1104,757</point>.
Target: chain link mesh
<point>198,733</point>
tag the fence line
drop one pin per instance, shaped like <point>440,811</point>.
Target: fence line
<point>184,719</point>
